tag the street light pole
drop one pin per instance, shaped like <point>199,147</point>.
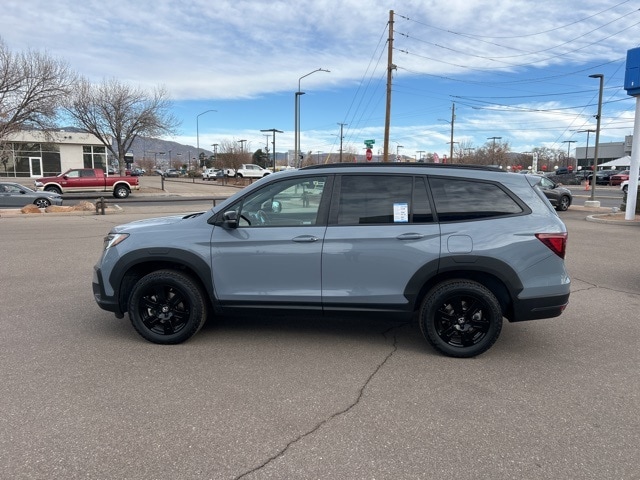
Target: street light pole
<point>198,131</point>
<point>598,119</point>
<point>296,121</point>
<point>273,131</point>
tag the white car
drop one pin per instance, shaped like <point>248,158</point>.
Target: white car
<point>248,170</point>
<point>210,173</point>
<point>624,186</point>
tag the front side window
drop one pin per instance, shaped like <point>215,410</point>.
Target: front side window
<point>461,199</point>
<point>292,202</point>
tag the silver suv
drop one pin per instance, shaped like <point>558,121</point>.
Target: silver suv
<point>460,246</point>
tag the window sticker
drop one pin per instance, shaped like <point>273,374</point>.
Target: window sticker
<point>400,212</point>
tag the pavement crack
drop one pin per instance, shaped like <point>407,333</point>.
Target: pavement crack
<point>344,411</point>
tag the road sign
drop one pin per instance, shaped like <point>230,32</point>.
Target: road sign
<point>369,154</point>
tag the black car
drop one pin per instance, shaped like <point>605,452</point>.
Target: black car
<point>559,196</point>
<point>603,177</point>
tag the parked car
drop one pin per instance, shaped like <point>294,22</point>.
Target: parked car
<point>212,173</point>
<point>458,247</point>
<point>14,195</point>
<point>624,186</point>
<point>602,177</point>
<point>619,177</point>
<point>248,170</point>
<point>172,172</point>
<point>138,172</point>
<point>560,197</point>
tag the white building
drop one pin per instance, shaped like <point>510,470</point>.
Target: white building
<point>34,153</point>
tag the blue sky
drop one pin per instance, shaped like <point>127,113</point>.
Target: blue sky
<point>516,69</point>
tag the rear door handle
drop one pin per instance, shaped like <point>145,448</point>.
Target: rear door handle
<point>410,236</point>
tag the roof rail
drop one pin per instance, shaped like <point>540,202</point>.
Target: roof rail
<point>462,166</point>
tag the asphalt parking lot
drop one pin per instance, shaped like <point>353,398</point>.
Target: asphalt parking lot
<point>85,397</point>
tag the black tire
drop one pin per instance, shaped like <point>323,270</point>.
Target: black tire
<point>42,202</point>
<point>625,188</point>
<point>564,203</point>
<point>167,307</point>
<point>460,318</point>
<point>239,175</point>
<point>121,191</point>
<point>53,190</point>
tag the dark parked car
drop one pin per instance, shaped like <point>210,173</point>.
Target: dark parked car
<point>14,195</point>
<point>560,197</point>
<point>172,172</point>
<point>603,177</point>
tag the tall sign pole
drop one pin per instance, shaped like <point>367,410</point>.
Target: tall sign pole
<point>632,86</point>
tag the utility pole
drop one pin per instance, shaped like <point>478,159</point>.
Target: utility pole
<point>569,149</point>
<point>420,152</point>
<point>390,68</point>
<point>341,137</point>
<point>453,118</point>
<point>493,150</point>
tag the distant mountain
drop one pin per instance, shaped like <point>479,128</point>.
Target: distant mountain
<point>154,148</point>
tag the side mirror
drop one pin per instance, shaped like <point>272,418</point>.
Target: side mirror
<point>230,219</point>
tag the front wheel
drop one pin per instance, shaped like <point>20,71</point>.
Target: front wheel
<point>167,307</point>
<point>461,318</point>
<point>121,192</point>
<point>53,190</point>
<point>42,203</point>
<point>564,203</point>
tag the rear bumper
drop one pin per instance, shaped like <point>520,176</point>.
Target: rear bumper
<point>538,308</point>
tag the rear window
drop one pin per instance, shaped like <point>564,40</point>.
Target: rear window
<point>461,199</point>
<point>383,199</point>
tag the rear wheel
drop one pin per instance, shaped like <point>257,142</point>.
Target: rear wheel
<point>167,307</point>
<point>461,318</point>
<point>121,192</point>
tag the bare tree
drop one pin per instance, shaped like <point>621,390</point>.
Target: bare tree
<point>32,89</point>
<point>117,113</point>
<point>231,156</point>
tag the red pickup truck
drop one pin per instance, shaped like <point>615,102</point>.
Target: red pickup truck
<point>88,180</point>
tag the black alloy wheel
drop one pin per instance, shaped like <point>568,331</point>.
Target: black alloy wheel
<point>42,202</point>
<point>167,307</point>
<point>461,318</point>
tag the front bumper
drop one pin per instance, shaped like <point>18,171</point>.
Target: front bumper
<point>104,301</point>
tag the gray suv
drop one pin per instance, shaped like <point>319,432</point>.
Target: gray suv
<point>460,246</point>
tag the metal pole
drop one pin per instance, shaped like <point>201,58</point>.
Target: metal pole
<point>598,118</point>
<point>296,126</point>
<point>198,131</point>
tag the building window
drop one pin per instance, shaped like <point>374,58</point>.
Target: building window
<point>94,156</point>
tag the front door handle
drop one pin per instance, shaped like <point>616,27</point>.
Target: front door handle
<point>306,239</point>
<point>410,236</point>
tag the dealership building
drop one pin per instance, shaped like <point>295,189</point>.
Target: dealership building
<point>606,152</point>
<point>34,153</point>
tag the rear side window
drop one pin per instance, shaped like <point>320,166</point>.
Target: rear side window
<point>382,199</point>
<point>460,199</point>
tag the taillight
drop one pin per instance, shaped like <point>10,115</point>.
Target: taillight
<point>557,242</point>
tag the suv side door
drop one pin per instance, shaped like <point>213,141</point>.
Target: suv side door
<point>381,242</point>
<point>272,258</point>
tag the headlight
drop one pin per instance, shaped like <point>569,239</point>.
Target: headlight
<point>114,239</point>
<point>38,184</point>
